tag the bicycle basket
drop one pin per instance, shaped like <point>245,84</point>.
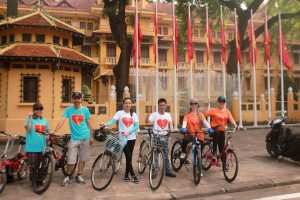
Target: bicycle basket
<point>115,145</point>
<point>160,141</point>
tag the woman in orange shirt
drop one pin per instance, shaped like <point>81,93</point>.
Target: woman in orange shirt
<point>218,121</point>
<point>191,124</point>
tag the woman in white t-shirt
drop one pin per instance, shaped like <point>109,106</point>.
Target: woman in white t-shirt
<point>128,125</point>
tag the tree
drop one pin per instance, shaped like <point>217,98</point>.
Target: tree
<point>115,11</point>
<point>290,10</point>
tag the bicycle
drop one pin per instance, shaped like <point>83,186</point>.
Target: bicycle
<point>151,153</point>
<point>195,149</point>
<point>228,156</point>
<point>17,164</point>
<point>61,157</point>
<point>42,174</point>
<point>107,164</point>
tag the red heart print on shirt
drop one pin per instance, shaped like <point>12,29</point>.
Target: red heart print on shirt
<point>127,121</point>
<point>162,123</point>
<point>194,124</point>
<point>39,128</point>
<point>77,119</point>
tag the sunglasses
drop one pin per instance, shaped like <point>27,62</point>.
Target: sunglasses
<point>193,104</point>
<point>41,108</point>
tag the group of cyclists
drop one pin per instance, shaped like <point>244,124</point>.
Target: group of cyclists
<point>128,124</point>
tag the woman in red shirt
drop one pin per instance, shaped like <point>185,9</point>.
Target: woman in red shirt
<point>219,117</point>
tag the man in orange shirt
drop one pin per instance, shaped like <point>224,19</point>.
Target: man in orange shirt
<point>219,118</point>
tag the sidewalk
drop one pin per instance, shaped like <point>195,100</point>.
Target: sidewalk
<point>256,170</point>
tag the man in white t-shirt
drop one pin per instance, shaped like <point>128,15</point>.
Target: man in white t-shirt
<point>162,123</point>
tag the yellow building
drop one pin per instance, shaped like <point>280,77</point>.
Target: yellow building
<point>85,18</point>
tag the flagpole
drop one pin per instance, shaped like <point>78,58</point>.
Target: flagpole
<point>156,61</point>
<point>175,70</point>
<point>268,75</point>
<point>191,65</point>
<point>223,63</point>
<point>208,68</point>
<point>137,61</point>
<point>239,76</point>
<point>281,66</point>
<point>254,70</point>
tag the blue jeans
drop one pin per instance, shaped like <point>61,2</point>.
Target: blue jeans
<point>167,160</point>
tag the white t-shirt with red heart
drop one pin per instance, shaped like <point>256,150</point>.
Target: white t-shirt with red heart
<point>126,122</point>
<point>160,122</point>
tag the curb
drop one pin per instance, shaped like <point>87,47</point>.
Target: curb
<point>275,182</point>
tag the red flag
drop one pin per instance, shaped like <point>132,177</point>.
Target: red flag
<point>189,37</point>
<point>252,45</point>
<point>208,40</point>
<point>237,43</point>
<point>285,56</point>
<point>267,41</point>
<point>223,42</point>
<point>137,39</point>
<point>154,35</point>
<point>175,34</point>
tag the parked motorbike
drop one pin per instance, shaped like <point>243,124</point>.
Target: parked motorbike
<point>281,141</point>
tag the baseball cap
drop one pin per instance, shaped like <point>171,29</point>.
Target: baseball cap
<point>221,99</point>
<point>76,95</point>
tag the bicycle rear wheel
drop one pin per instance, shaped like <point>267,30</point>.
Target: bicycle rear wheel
<point>206,156</point>
<point>197,166</point>
<point>175,155</point>
<point>42,176</point>
<point>156,169</point>
<point>64,165</point>
<point>23,168</point>
<point>231,166</point>
<point>3,180</point>
<point>102,171</point>
<point>143,156</point>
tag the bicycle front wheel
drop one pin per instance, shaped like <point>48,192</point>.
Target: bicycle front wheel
<point>42,176</point>
<point>23,168</point>
<point>175,155</point>
<point>143,156</point>
<point>2,181</point>
<point>207,155</point>
<point>197,166</point>
<point>230,166</point>
<point>102,171</point>
<point>156,169</point>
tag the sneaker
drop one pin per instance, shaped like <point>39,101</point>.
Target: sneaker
<point>134,179</point>
<point>80,179</point>
<point>66,181</point>
<point>126,178</point>
<point>170,174</point>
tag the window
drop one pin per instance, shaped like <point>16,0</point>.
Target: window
<point>159,30</point>
<point>165,31</point>
<point>163,80</point>
<point>181,57</point>
<point>56,40</point>
<point>26,37</point>
<point>196,33</point>
<point>30,88</point>
<point>90,26</point>
<point>230,35</point>
<point>65,42</point>
<point>86,50</point>
<point>217,57</point>
<point>82,25</point>
<point>213,34</point>
<point>202,33</point>
<point>67,89</point>
<point>68,22</point>
<point>111,50</point>
<point>182,83</point>
<point>144,51</point>
<point>4,39</point>
<point>40,38</point>
<point>162,55</point>
<point>11,38</point>
<point>199,57</point>
<point>296,58</point>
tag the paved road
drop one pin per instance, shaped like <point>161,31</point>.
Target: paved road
<point>256,170</point>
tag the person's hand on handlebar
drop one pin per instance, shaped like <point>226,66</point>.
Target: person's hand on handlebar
<point>211,131</point>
